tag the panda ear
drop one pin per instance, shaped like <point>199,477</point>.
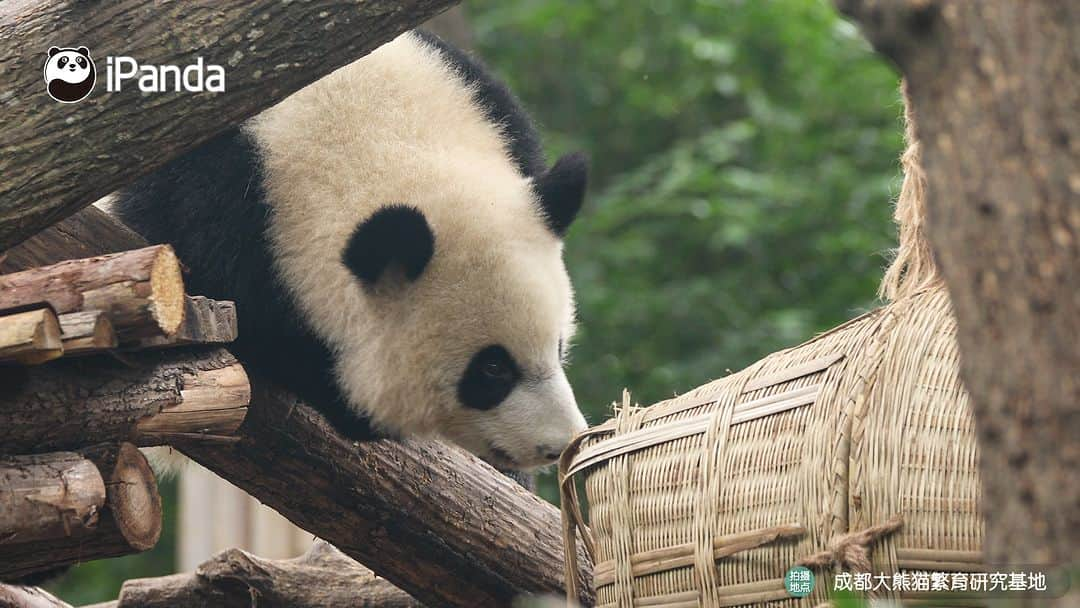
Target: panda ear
<point>395,235</point>
<point>562,191</point>
<point>82,50</point>
<point>53,50</point>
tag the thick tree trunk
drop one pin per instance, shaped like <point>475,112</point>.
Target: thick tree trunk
<point>129,522</point>
<point>141,291</point>
<point>434,520</point>
<point>995,87</point>
<point>48,496</point>
<point>148,399</point>
<point>322,578</point>
<point>56,158</point>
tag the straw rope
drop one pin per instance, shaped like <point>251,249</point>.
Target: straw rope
<point>913,268</point>
<point>851,551</point>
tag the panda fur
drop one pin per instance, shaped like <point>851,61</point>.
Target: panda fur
<point>392,237</point>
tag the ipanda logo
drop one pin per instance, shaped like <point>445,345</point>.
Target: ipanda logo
<point>70,75</point>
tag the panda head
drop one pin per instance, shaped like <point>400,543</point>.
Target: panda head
<point>69,73</point>
<point>467,321</point>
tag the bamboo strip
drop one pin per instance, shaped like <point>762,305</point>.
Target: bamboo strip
<point>796,371</point>
<point>668,558</point>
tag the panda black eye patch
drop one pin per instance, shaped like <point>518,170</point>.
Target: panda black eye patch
<point>489,378</point>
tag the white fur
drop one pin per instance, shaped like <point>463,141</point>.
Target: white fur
<point>398,126</point>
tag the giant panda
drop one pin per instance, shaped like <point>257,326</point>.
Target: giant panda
<point>392,237</point>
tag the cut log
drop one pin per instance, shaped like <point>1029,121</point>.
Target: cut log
<point>86,332</point>
<point>141,290</point>
<point>130,521</point>
<point>432,519</point>
<point>147,399</point>
<point>206,321</point>
<point>57,158</point>
<point>16,596</point>
<point>30,337</point>
<point>212,405</point>
<point>321,578</point>
<point>48,496</point>
<point>132,498</point>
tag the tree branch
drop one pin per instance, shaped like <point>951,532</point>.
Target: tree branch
<point>321,578</point>
<point>57,158</point>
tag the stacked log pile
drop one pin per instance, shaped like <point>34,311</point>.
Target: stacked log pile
<point>65,388</point>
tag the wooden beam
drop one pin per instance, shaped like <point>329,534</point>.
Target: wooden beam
<point>148,398</point>
<point>48,496</point>
<point>30,337</point>
<point>322,578</point>
<point>129,521</point>
<point>434,520</point>
<point>141,290</point>
<point>86,332</point>
<point>57,158</point>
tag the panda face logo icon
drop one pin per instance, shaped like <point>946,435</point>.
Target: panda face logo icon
<point>70,74</point>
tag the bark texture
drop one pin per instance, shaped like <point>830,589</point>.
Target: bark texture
<point>129,522</point>
<point>435,521</point>
<point>141,291</point>
<point>322,578</point>
<point>48,496</point>
<point>206,321</point>
<point>15,596</point>
<point>85,234</point>
<point>995,87</point>
<point>57,158</point>
<point>69,403</point>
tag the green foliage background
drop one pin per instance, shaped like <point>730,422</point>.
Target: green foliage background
<point>744,156</point>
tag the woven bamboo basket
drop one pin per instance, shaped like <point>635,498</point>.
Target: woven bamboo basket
<point>854,451</point>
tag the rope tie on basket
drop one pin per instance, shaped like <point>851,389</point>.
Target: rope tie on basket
<point>852,550</point>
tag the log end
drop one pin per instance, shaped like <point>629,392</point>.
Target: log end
<point>167,291</point>
<point>30,337</point>
<point>133,498</point>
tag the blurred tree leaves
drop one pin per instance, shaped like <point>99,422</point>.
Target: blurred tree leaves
<point>744,156</point>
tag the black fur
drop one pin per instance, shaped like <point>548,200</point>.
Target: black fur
<point>394,235</point>
<point>562,191</point>
<point>500,104</point>
<point>490,377</point>
<point>210,205</point>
